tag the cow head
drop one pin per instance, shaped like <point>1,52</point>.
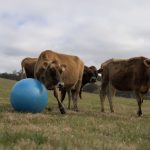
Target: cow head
<point>50,74</point>
<point>94,74</point>
<point>90,74</point>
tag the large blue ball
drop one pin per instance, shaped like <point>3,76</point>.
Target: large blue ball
<point>29,95</point>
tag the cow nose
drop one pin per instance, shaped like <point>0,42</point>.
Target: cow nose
<point>60,85</point>
<point>93,79</point>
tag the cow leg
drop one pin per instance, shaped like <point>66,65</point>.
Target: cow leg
<point>102,95</point>
<point>139,99</point>
<point>110,94</point>
<point>60,105</point>
<point>142,97</point>
<point>69,98</point>
<point>63,94</point>
<point>75,94</point>
<point>80,93</point>
<point>74,99</point>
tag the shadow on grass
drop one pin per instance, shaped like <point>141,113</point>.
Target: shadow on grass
<point>84,112</point>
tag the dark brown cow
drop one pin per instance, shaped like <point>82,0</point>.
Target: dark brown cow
<point>126,75</point>
<point>54,68</point>
<point>89,76</point>
<point>28,65</point>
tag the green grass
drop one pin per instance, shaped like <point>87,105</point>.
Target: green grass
<point>87,129</point>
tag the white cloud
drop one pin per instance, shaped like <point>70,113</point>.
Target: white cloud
<point>94,30</point>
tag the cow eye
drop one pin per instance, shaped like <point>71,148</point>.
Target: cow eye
<point>53,72</point>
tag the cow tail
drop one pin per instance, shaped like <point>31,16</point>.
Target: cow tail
<point>22,70</point>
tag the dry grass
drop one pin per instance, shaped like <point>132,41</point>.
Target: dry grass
<point>87,129</point>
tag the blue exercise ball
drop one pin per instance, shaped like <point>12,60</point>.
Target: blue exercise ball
<point>29,95</point>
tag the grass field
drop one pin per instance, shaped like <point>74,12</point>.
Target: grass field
<point>88,129</point>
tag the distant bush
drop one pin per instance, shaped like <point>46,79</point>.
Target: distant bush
<point>11,76</point>
<point>94,88</point>
<point>91,88</point>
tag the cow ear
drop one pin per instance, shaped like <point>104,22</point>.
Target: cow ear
<point>86,70</point>
<point>147,62</point>
<point>100,70</point>
<point>45,64</point>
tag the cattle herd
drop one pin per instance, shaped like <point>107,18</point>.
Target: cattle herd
<point>69,74</point>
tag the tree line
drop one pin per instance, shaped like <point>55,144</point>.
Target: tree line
<point>15,75</point>
<point>91,88</point>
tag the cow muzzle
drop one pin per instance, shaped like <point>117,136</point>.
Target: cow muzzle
<point>60,85</point>
<point>93,79</point>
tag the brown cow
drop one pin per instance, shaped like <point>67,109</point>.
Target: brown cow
<point>126,75</point>
<point>89,76</point>
<point>54,68</point>
<point>28,65</point>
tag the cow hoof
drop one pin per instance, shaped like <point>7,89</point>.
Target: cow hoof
<point>62,110</point>
<point>76,110</point>
<point>112,111</point>
<point>139,113</point>
<point>102,110</point>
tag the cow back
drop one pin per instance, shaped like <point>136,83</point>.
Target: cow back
<point>74,66</point>
<point>129,74</point>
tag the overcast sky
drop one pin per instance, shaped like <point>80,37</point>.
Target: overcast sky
<point>94,30</point>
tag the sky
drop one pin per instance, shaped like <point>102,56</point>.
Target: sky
<point>94,30</point>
